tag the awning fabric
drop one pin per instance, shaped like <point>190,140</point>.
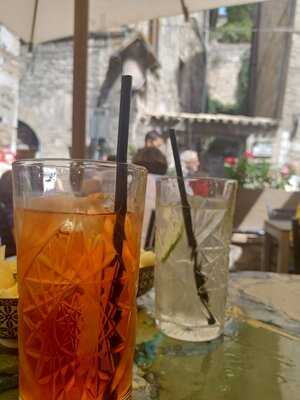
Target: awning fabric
<point>54,18</point>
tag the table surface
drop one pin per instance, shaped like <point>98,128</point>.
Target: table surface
<point>283,225</point>
<point>258,357</point>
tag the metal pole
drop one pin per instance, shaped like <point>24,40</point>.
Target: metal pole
<point>81,14</point>
<point>36,5</point>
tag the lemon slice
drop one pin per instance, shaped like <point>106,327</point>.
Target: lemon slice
<point>147,259</point>
<point>2,253</point>
<point>12,265</point>
<point>171,243</point>
<point>10,293</point>
<point>6,276</point>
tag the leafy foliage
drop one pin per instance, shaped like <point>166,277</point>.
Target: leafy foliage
<point>237,14</point>
<point>248,174</point>
<point>235,33</point>
<point>254,174</point>
<point>238,28</point>
<point>215,106</point>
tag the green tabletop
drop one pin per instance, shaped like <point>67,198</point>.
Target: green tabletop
<point>258,357</point>
<point>248,363</point>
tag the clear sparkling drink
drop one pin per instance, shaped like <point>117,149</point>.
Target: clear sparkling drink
<point>191,297</point>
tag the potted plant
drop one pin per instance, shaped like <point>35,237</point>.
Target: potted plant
<point>262,188</point>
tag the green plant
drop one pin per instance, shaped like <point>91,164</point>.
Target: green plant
<point>254,173</point>
<point>234,33</point>
<point>255,176</point>
<point>238,28</point>
<point>249,172</point>
<point>215,106</point>
<point>237,14</point>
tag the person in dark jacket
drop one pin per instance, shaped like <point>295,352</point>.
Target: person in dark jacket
<point>6,214</point>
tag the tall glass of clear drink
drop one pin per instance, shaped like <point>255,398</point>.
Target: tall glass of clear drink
<point>77,311</point>
<point>191,284</point>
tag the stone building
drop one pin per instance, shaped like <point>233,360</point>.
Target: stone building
<point>216,136</point>
<point>275,84</point>
<point>46,82</point>
<point>182,69</point>
<point>46,89</point>
<point>9,87</point>
<point>224,64</point>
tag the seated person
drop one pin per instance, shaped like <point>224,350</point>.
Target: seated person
<point>190,163</point>
<point>6,214</point>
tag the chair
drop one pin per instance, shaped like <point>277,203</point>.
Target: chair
<point>296,244</point>
<point>252,212</point>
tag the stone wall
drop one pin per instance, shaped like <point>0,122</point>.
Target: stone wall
<point>178,85</point>
<point>46,84</point>
<point>271,55</point>
<point>225,61</point>
<point>277,74</point>
<point>9,86</point>
<point>291,107</point>
<point>46,90</point>
<point>179,82</point>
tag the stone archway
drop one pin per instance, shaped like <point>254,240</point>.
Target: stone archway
<point>28,143</point>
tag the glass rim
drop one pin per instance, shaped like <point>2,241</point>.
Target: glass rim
<point>196,178</point>
<point>67,163</point>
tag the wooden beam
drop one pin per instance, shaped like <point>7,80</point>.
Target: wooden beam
<point>81,14</point>
<point>154,34</point>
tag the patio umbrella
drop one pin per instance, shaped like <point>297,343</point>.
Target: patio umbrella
<point>37,21</point>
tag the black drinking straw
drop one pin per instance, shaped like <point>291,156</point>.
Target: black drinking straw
<point>200,278</point>
<point>113,313</point>
<point>121,184</point>
<point>121,177</point>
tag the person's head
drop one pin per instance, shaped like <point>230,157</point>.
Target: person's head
<point>152,159</point>
<point>190,161</point>
<point>154,139</point>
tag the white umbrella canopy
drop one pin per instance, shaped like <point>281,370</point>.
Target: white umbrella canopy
<point>37,21</point>
<point>55,18</point>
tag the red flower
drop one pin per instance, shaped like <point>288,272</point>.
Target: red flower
<point>248,154</point>
<point>230,161</point>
